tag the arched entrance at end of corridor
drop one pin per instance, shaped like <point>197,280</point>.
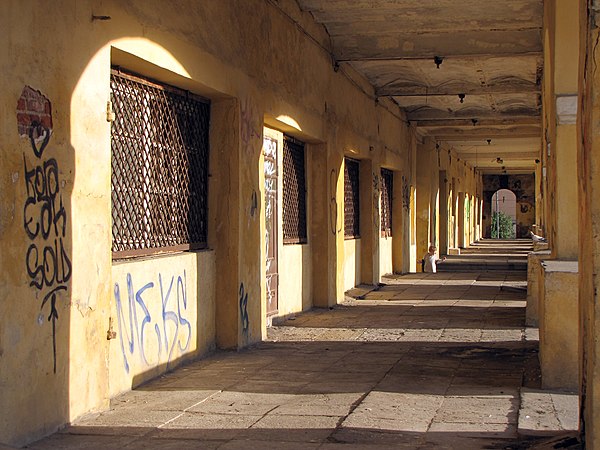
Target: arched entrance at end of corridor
<point>504,215</point>
<point>522,186</point>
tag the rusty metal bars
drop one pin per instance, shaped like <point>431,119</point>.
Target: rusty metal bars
<point>387,188</point>
<point>159,178</point>
<point>294,192</point>
<point>351,199</point>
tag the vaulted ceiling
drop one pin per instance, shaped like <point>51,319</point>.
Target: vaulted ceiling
<point>466,72</point>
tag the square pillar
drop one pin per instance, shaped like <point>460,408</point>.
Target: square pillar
<point>327,225</point>
<point>559,325</point>
<point>369,221</point>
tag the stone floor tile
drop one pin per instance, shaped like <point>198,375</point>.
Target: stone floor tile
<point>478,410</point>
<point>434,361</point>
<point>129,418</point>
<point>365,446</point>
<point>566,406</point>
<point>81,442</point>
<point>488,430</point>
<point>161,400</point>
<point>207,426</point>
<point>240,403</point>
<point>248,444</point>
<point>332,404</point>
<point>394,412</point>
<point>173,444</point>
<point>293,428</point>
<point>364,437</point>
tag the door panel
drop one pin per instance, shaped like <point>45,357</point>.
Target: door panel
<point>271,223</point>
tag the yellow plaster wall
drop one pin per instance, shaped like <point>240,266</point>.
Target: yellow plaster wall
<point>163,313</point>
<point>295,287</point>
<point>452,200</point>
<point>588,174</point>
<point>198,50</point>
<point>295,279</point>
<point>385,255</point>
<point>566,242</point>
<point>559,146</point>
<point>559,329</point>
<point>352,261</point>
<point>426,172</point>
<point>534,282</point>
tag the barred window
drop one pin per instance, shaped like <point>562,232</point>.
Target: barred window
<point>294,192</point>
<point>387,188</point>
<point>351,202</point>
<point>159,145</point>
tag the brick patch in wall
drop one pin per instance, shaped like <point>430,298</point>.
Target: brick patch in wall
<point>34,114</point>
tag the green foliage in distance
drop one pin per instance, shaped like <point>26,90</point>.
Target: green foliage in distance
<point>502,226</point>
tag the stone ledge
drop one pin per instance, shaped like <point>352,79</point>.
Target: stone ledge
<point>545,412</point>
<point>558,265</point>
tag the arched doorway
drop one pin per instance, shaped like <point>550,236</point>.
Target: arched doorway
<point>504,214</point>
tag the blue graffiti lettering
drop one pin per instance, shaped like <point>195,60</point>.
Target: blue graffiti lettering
<point>181,295</point>
<point>244,308</point>
<point>170,338</point>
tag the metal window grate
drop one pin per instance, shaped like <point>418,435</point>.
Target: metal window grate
<point>351,199</point>
<point>159,144</point>
<point>387,188</point>
<point>294,192</point>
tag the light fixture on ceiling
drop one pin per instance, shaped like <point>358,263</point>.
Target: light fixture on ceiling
<point>462,97</point>
<point>499,160</point>
<point>474,121</point>
<point>438,60</point>
<point>537,161</point>
<point>489,141</point>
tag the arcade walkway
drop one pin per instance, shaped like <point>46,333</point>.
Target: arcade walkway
<point>427,361</point>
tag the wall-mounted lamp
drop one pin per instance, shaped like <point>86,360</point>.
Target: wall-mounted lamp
<point>438,60</point>
<point>462,97</point>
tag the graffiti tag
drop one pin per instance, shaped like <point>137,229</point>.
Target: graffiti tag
<point>169,332</point>
<point>45,222</point>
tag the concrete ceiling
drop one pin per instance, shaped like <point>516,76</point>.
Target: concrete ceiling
<point>492,53</point>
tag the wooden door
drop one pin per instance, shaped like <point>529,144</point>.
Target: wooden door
<point>271,223</point>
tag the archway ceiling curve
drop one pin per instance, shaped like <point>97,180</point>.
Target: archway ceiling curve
<point>492,53</point>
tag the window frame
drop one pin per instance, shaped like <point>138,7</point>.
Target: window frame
<point>351,198</point>
<point>149,193</point>
<point>387,189</point>
<point>294,216</point>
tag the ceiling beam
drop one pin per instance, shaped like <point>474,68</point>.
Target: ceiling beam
<point>514,87</point>
<point>507,171</point>
<point>480,122</point>
<point>484,158</point>
<point>481,134</point>
<point>390,46</point>
<point>437,114</point>
<point>408,5</point>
